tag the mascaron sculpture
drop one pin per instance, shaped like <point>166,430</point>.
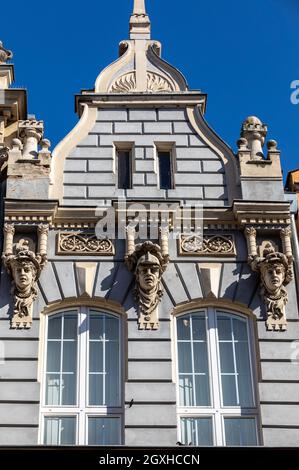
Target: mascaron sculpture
<point>276,271</point>
<point>147,261</point>
<point>24,267</point>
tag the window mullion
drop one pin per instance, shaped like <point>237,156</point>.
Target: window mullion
<point>215,373</point>
<point>82,371</point>
<point>235,361</point>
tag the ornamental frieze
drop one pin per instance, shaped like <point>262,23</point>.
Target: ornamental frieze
<point>208,245</point>
<point>82,243</point>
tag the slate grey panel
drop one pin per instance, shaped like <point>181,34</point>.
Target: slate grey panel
<point>212,166</point>
<point>121,284</point>
<point>7,332</point>
<point>171,115</point>
<point>151,415</point>
<point>149,350</point>
<point>192,166</point>
<point>189,274</point>
<point>75,165</point>
<point>149,370</point>
<point>280,371</point>
<point>151,437</point>
<point>157,128</point>
<point>291,333</point>
<point>279,350</point>
<point>145,165</point>
<point>102,128</point>
<point>38,305</point>
<point>145,139</point>
<point>280,415</point>
<point>112,115</point>
<point>186,179</point>
<point>174,285</point>
<point>75,191</point>
<point>19,391</point>
<point>214,192</point>
<point>195,140</point>
<point>165,307</point>
<point>20,349</point>
<point>150,392</point>
<point>18,436</point>
<point>280,392</point>
<point>105,276</point>
<point>100,165</point>
<point>182,128</point>
<point>198,153</point>
<point>229,281</point>
<point>89,141</point>
<point>22,413</point>
<point>161,333</point>
<point>128,128</point>
<point>292,306</point>
<point>48,283</point>
<point>182,192</point>
<point>66,277</point>
<point>90,178</point>
<point>18,370</point>
<point>281,437</point>
<point>246,286</point>
<point>142,115</point>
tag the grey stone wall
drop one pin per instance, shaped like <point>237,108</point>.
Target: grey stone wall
<point>89,179</point>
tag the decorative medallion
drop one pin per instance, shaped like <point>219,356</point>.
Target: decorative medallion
<point>208,245</point>
<point>82,243</point>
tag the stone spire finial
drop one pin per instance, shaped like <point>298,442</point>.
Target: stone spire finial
<point>140,25</point>
<point>4,54</point>
<point>254,131</point>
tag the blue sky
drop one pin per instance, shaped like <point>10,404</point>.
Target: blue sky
<point>243,54</point>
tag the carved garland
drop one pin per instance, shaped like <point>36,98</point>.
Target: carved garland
<point>215,245</point>
<point>155,83</point>
<point>81,243</point>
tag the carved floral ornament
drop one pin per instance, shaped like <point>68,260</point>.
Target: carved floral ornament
<point>81,243</point>
<point>148,261</point>
<point>155,83</point>
<point>276,271</point>
<point>209,244</point>
<point>24,267</point>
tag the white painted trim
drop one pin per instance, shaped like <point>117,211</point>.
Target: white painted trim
<point>64,148</point>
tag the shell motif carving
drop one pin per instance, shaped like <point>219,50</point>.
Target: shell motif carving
<point>155,83</point>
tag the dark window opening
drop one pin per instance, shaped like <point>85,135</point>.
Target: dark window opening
<point>124,169</point>
<point>165,173</point>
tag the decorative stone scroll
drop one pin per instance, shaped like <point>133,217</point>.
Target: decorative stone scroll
<point>148,261</point>
<point>276,271</point>
<point>24,267</point>
<point>208,245</point>
<point>82,243</point>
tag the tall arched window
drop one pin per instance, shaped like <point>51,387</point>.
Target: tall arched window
<point>82,399</point>
<point>216,383</point>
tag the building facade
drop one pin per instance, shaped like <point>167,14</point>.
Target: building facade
<point>148,294</point>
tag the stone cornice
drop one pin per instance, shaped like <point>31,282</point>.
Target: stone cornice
<point>195,98</point>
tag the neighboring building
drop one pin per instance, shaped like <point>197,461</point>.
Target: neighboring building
<point>155,340</point>
<point>293,186</point>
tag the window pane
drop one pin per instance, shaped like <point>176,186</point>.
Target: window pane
<point>186,388</point>
<point>53,356</point>
<point>112,328</point>
<point>185,360</point>
<point>224,328</point>
<point>240,431</point>
<point>242,358</point>
<point>124,170</point>
<point>240,330</point>
<point>245,390</point>
<point>229,390</point>
<point>96,390</point>
<point>197,431</point>
<point>54,327</point>
<point>70,326</point>
<point>200,357</point>
<point>165,170</point>
<point>68,389</point>
<point>226,358</point>
<point>104,431</point>
<point>96,361</point>
<point>96,326</point>
<point>60,431</point>
<point>53,389</point>
<point>199,328</point>
<point>112,386</point>
<point>202,390</point>
<point>69,363</point>
<point>183,327</point>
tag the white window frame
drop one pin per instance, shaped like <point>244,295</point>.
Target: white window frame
<point>217,411</point>
<point>82,411</point>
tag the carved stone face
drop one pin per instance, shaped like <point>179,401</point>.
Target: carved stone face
<point>24,274</point>
<point>148,276</point>
<point>273,276</point>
